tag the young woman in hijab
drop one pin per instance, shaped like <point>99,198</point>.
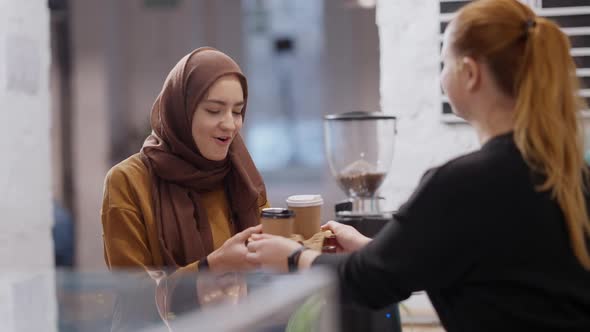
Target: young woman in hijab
<point>192,196</point>
<point>498,238</point>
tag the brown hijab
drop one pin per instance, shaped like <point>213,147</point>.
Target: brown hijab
<point>180,174</point>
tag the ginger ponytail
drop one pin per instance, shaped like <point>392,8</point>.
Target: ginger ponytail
<point>547,131</point>
<point>530,59</point>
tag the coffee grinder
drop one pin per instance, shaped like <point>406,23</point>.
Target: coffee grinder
<point>359,148</point>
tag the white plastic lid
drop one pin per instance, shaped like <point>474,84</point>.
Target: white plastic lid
<point>304,200</point>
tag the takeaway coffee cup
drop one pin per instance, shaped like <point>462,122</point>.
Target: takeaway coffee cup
<point>277,221</point>
<point>308,214</point>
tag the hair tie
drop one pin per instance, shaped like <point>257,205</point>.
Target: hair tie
<point>527,26</point>
<point>530,23</point>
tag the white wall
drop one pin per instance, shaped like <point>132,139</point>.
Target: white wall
<point>26,249</point>
<point>25,190</point>
<point>410,89</point>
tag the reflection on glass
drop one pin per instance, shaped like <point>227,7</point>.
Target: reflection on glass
<point>140,301</point>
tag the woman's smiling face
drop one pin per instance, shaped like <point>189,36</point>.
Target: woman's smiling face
<point>218,118</point>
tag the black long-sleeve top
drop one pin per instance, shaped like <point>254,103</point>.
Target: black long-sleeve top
<point>492,253</point>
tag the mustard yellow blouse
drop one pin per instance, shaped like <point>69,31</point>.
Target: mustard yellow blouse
<point>130,234</point>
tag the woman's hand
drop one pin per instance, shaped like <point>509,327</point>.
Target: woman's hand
<point>231,256</point>
<point>349,239</point>
<point>270,251</point>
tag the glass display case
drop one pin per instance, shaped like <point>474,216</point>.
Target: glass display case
<point>139,301</point>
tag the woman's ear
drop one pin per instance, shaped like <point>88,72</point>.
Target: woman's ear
<point>471,73</point>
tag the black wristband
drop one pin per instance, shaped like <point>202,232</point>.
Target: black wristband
<point>203,264</point>
<point>293,259</point>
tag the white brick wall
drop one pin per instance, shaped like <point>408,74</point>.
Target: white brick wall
<point>26,247</point>
<point>25,194</point>
<point>410,89</point>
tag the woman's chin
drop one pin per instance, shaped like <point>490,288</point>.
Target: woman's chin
<point>460,114</point>
<point>219,156</point>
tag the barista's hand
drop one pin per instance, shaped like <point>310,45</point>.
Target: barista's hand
<point>349,239</point>
<point>231,256</point>
<point>270,251</point>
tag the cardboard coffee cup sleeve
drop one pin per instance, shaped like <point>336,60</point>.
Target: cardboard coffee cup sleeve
<point>316,242</point>
<point>297,238</point>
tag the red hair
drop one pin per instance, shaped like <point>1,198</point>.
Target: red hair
<point>529,57</point>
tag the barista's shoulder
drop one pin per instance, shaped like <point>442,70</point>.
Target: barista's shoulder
<point>473,167</point>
